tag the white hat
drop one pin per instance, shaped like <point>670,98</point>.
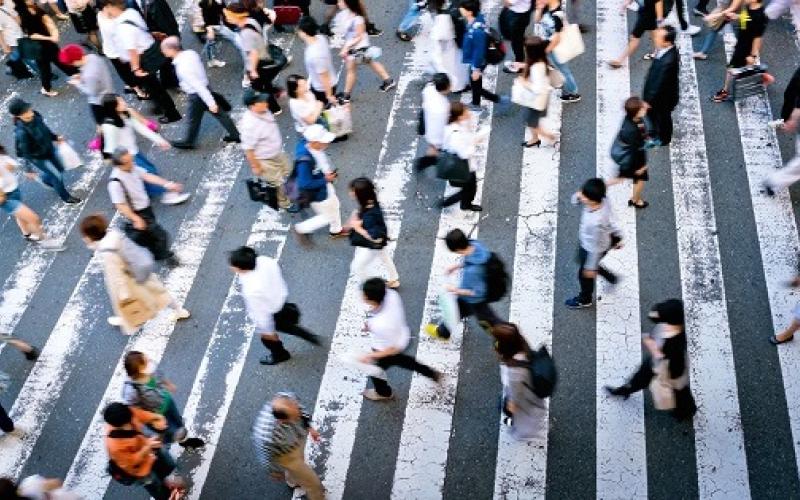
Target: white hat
<point>318,133</point>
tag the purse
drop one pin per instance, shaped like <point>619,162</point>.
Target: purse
<point>571,44</point>
<point>69,158</point>
<point>262,191</point>
<point>452,168</point>
<point>287,317</point>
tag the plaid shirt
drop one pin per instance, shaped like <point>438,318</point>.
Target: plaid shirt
<point>273,439</point>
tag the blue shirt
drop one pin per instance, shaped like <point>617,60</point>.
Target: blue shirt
<point>473,277</point>
<point>310,177</point>
<point>474,47</point>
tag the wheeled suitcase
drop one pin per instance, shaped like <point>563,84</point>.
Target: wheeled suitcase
<point>288,12</point>
<point>747,81</point>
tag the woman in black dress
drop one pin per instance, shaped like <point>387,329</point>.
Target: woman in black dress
<point>629,150</point>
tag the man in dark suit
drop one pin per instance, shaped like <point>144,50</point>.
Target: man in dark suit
<point>661,85</point>
<point>159,17</point>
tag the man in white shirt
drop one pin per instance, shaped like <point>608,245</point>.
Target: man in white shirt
<point>390,335</point>
<point>264,292</point>
<point>322,76</point>
<point>194,82</point>
<point>128,194</point>
<point>435,113</point>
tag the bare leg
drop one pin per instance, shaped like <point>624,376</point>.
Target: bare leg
<point>533,135</point>
<point>29,222</point>
<point>790,330</point>
<point>379,70</point>
<point>350,79</point>
<point>633,44</point>
<point>636,195</point>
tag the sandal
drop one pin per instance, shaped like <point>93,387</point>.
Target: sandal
<point>641,204</point>
<point>774,340</point>
<point>393,284</point>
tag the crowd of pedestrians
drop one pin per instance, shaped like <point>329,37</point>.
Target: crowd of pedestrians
<point>141,41</point>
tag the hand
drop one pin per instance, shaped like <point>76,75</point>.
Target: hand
<point>139,224</point>
<point>330,177</point>
<point>452,289</point>
<point>154,443</point>
<point>476,73</point>
<point>333,100</point>
<point>210,34</point>
<point>75,80</point>
<point>253,75</point>
<point>343,53</point>
<point>314,434</point>
<point>164,145</point>
<point>451,269</point>
<point>175,187</point>
<point>641,171</point>
<point>789,125</point>
<point>214,109</point>
<point>588,273</point>
<point>366,358</point>
<point>140,72</point>
<point>170,386</point>
<point>59,139</point>
<point>732,16</point>
<point>32,176</point>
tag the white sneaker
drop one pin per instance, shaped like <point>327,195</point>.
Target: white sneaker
<point>245,82</point>
<point>634,6</point>
<point>216,63</point>
<point>692,30</point>
<point>181,314</point>
<point>174,198</point>
<point>51,245</point>
<point>114,321</point>
<point>775,123</point>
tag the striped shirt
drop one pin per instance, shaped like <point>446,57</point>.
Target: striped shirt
<point>272,438</point>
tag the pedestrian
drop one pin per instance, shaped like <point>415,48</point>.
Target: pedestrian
<point>83,15</point>
<point>415,9</point>
<point>315,176</point>
<point>368,233</point>
<point>158,16</point>
<point>10,33</point>
<point>93,78</point>
<point>322,76</point>
<point>790,109</point>
<point>445,51</point>
<point>515,18</point>
<point>30,352</point>
<point>194,83</point>
<point>474,51</point>
<point>597,234</point>
<point>471,293</point>
<point>54,8</point>
<point>435,115</point>
<point>279,436</point>
<point>551,17</point>
<point>120,126</point>
<point>111,49</point>
<point>661,85</point>
<point>666,363</point>
<point>687,28</point>
<point>788,175</point>
<point>262,143</point>
<point>137,294</point>
<point>29,222</point>
<point>132,453</point>
<point>34,143</point>
<point>41,43</point>
<point>536,78</point>
<point>126,188</point>
<point>649,17</point>
<point>787,335</point>
<point>390,335</point>
<point>38,487</point>
<point>525,412</point>
<point>357,50</point>
<point>332,12</point>
<point>211,14</point>
<point>460,138</point>
<point>137,47</point>
<point>752,22</point>
<point>264,291</point>
<point>303,105</point>
<point>716,21</point>
<point>631,140</point>
<point>147,389</point>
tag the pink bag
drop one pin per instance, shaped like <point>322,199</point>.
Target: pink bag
<point>152,125</point>
<point>95,144</point>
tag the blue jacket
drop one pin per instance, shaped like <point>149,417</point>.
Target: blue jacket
<point>474,273</point>
<point>310,178</point>
<point>474,47</point>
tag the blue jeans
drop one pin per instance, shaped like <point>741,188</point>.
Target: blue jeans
<point>412,14</point>
<point>152,189</point>
<point>13,202</point>
<point>174,421</point>
<point>570,85</point>
<point>710,40</point>
<point>52,174</point>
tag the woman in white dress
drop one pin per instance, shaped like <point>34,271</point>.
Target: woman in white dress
<point>445,54</point>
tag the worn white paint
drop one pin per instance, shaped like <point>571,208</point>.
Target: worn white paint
<point>621,459</point>
<point>532,303</point>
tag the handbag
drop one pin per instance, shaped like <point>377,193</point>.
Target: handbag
<point>287,317</point>
<point>262,191</point>
<point>660,388</point>
<point>571,44</point>
<point>451,167</point>
<point>339,120</point>
<point>556,78</point>
<point>69,158</point>
<point>522,95</point>
<point>622,154</point>
<point>357,240</point>
<point>276,58</point>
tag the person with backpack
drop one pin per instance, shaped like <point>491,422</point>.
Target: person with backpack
<point>524,412</point>
<point>460,139</point>
<point>137,295</point>
<point>474,49</point>
<point>264,291</point>
<point>368,233</point>
<point>133,456</point>
<point>483,280</point>
<point>152,392</point>
<point>597,234</point>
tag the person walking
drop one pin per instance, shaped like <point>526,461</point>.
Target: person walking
<point>415,9</point>
<point>34,143</point>
<point>356,49</point>
<point>474,51</point>
<point>790,117</point>
<point>279,437</point>
<point>461,139</point>
<point>314,178</point>
<point>126,188</point>
<point>264,291</point>
<point>93,78</point>
<point>112,51</point>
<point>304,107</point>
<point>680,13</point>
<point>368,233</point>
<point>661,85</point>
<point>137,295</point>
<point>526,413</point>
<point>41,43</point>
<point>435,115</point>
<point>787,335</point>
<point>471,292</point>
<point>37,487</point>
<point>752,26</point>
<point>597,234</point>
<point>390,335</point>
<point>666,364</point>
<point>631,140</point>
<point>194,82</point>
<point>515,18</point>
<point>210,28</point>
<point>158,16</point>
<point>445,53</point>
<point>322,76</point>
<point>716,21</point>
<point>536,78</point>
<point>150,391</point>
<point>10,34</point>
<point>551,17</point>
<point>262,143</point>
<point>83,15</point>
<point>649,17</point>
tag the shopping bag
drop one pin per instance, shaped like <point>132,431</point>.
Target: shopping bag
<point>448,308</point>
<point>660,388</point>
<point>69,158</point>
<point>571,44</point>
<point>522,95</point>
<point>339,120</point>
<point>353,360</point>
<point>286,14</point>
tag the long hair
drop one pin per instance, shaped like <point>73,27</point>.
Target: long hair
<point>508,341</point>
<point>355,7</point>
<point>109,105</point>
<point>364,191</point>
<point>535,52</point>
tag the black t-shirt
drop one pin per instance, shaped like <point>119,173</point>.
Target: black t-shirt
<point>752,24</point>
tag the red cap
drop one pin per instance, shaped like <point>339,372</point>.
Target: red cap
<point>70,53</point>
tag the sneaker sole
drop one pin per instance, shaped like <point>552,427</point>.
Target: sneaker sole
<point>580,306</point>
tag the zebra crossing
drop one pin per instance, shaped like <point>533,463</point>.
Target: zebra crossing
<point>425,450</point>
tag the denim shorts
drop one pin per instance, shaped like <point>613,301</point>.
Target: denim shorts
<point>13,202</point>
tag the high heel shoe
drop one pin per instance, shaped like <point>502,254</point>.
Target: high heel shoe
<point>641,204</point>
<point>526,144</point>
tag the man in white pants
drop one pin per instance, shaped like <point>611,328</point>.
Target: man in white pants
<point>314,177</point>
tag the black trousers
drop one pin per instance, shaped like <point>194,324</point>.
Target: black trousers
<point>153,237</point>
<point>162,467</point>
<point>467,194</point>
<point>160,76</point>
<point>197,108</point>
<point>661,119</point>
<point>47,56</point>
<point>685,406</point>
<point>478,91</point>
<point>587,284</point>
<point>790,95</point>
<point>679,11</point>
<point>6,425</point>
<point>320,95</point>
<point>403,361</point>
<point>702,5</point>
<point>519,23</point>
<point>124,71</point>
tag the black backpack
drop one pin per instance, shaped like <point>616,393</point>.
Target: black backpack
<point>114,470</point>
<point>543,372</point>
<point>495,47</point>
<point>497,278</point>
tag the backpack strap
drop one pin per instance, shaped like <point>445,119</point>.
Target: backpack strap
<point>124,191</point>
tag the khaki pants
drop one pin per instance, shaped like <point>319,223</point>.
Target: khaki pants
<point>298,472</point>
<point>275,170</point>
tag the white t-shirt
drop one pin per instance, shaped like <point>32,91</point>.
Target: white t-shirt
<point>436,111</point>
<point>318,60</point>
<point>352,21</point>
<point>8,180</point>
<point>36,488</point>
<point>520,6</point>
<point>388,324</point>
<point>108,35</point>
<point>134,186</point>
<point>131,34</point>
<point>9,28</point>
<point>301,108</point>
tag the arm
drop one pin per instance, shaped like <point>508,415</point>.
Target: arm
<point>361,32</point>
<point>250,155</point>
<point>160,181</point>
<point>138,123</point>
<point>252,63</point>
<point>313,116</point>
<point>659,10</point>
<point>129,214</point>
<point>51,30</point>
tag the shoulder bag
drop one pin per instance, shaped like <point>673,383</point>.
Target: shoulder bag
<point>571,44</point>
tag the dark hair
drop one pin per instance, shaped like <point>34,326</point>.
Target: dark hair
<point>435,6</point>
<point>356,7</point>
<point>508,340</point>
<point>473,6</point>
<point>670,312</point>
<point>94,227</point>
<point>243,258</point>
<point>457,109</point>
<point>633,105</point>
<point>32,22</point>
<point>456,240</point>
<point>2,150</point>
<point>122,4</point>
<point>594,189</point>
<point>280,414</point>
<point>292,83</point>
<point>364,190</point>
<point>134,363</point>
<point>535,52</point>
<point>308,25</point>
<point>669,33</point>
<point>441,81</point>
<point>8,489</point>
<point>374,290</point>
<point>108,103</point>
<point>117,414</point>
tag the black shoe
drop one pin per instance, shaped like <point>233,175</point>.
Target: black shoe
<point>570,98</point>
<point>168,119</point>
<point>272,359</point>
<point>32,355</point>
<point>388,85</point>
<point>584,28</point>
<point>622,391</point>
<point>172,262</point>
<point>536,144</point>
<point>473,208</point>
<point>575,303</point>
<point>72,200</point>
<point>229,138</point>
<point>405,37</point>
<point>194,442</point>
<point>182,145</point>
<point>768,190</point>
<point>373,30</point>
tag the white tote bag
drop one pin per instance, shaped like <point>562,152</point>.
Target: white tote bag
<point>339,119</point>
<point>661,388</point>
<point>522,95</point>
<point>571,44</point>
<point>69,158</point>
